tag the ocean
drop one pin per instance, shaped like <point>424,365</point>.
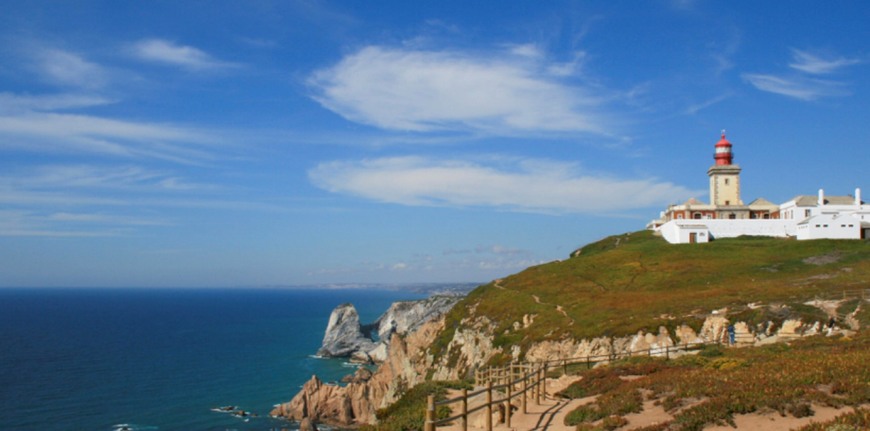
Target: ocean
<point>160,359</point>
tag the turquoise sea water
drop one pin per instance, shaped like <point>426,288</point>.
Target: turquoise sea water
<point>159,359</point>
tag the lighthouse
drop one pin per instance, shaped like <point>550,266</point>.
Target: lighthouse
<point>724,177</point>
<point>723,155</point>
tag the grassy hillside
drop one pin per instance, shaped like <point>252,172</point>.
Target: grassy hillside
<point>635,281</point>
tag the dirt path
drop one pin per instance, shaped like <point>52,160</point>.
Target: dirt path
<point>559,309</point>
<point>548,416</point>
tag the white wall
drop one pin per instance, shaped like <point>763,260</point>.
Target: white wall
<point>830,226</point>
<point>677,231</point>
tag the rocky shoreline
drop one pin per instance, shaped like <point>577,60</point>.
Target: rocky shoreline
<point>409,362</point>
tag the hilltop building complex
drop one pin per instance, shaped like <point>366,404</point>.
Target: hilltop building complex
<point>803,217</point>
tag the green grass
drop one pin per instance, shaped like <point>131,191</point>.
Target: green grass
<point>638,281</point>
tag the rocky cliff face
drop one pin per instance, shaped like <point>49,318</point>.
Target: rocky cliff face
<point>357,402</point>
<point>406,316</point>
<point>472,346</point>
<point>344,334</point>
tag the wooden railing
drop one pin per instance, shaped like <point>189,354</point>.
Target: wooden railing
<point>519,380</point>
<point>523,381</point>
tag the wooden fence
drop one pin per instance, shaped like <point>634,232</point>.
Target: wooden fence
<point>526,380</point>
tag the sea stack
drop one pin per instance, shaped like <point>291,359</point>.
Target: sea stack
<point>344,334</point>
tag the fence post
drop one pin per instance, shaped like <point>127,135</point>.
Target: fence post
<point>564,367</point>
<point>464,409</point>
<point>544,381</point>
<point>489,405</point>
<point>430,414</point>
<point>507,404</point>
<point>533,371</point>
<point>525,390</point>
<point>667,353</point>
<point>540,383</point>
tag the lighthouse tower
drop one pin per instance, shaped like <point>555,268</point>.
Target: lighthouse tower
<point>724,176</point>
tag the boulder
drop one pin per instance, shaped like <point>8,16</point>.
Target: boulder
<point>307,424</point>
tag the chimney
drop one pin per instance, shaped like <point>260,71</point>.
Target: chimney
<point>857,197</point>
<point>821,197</point>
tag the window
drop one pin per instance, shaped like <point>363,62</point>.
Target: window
<point>727,202</point>
<point>807,213</point>
<point>732,216</point>
<point>679,216</point>
<point>726,181</point>
<point>697,216</point>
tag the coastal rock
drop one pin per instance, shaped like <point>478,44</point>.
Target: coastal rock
<point>404,317</point>
<point>470,348</point>
<point>307,425</point>
<point>379,353</point>
<point>344,335</point>
<point>356,403</point>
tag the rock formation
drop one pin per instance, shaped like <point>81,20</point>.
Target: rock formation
<point>344,334</point>
<point>357,402</point>
<point>405,316</point>
<point>346,337</point>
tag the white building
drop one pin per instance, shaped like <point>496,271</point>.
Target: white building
<point>804,217</point>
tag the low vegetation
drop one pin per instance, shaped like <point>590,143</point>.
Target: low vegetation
<point>713,386</point>
<point>638,281</point>
<point>408,413</point>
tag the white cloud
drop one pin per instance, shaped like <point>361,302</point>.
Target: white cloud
<point>67,69</point>
<point>13,103</point>
<point>816,65</point>
<point>694,109</point>
<point>796,87</point>
<point>166,52</point>
<point>530,185</point>
<point>74,133</point>
<point>415,90</point>
<point>802,85</point>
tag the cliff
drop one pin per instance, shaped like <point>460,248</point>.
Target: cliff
<point>357,402</point>
<point>410,360</point>
<point>624,293</point>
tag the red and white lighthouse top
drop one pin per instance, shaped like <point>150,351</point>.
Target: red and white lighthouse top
<point>723,154</point>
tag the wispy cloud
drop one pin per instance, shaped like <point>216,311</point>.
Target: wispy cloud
<point>76,133</point>
<point>694,109</point>
<point>187,57</point>
<point>796,87</point>
<point>517,185</point>
<point>508,92</point>
<point>66,224</point>
<point>802,84</point>
<point>13,103</point>
<point>817,65</point>
<point>68,69</point>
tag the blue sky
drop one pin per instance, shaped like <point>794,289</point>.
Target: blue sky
<point>252,143</point>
